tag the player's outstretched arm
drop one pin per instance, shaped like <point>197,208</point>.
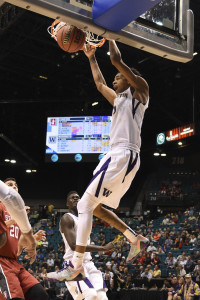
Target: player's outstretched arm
<point>137,82</point>
<point>67,228</point>
<point>99,80</point>
<point>15,206</point>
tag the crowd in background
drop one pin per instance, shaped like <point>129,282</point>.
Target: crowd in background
<point>172,253</point>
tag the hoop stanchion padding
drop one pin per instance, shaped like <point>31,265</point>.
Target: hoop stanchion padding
<point>116,14</point>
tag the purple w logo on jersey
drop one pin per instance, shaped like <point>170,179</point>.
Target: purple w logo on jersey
<point>106,192</point>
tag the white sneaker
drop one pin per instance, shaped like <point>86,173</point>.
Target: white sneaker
<point>68,273</point>
<point>139,245</point>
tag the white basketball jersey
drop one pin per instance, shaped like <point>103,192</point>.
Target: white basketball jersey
<point>127,118</point>
<point>68,251</point>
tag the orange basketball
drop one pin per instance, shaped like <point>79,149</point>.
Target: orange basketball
<point>70,38</point>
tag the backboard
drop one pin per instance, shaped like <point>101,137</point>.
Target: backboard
<point>166,30</point>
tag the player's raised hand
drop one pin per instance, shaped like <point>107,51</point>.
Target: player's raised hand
<point>40,236</point>
<point>89,50</point>
<point>28,241</point>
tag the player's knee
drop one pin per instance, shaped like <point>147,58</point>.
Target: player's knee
<point>101,295</point>
<point>37,292</point>
<point>86,204</point>
<point>90,294</point>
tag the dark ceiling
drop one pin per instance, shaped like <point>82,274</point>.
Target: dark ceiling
<point>27,52</point>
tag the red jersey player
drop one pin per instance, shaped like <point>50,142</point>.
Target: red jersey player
<point>16,281</point>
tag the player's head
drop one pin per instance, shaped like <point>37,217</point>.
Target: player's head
<point>72,200</point>
<point>120,83</point>
<point>11,182</point>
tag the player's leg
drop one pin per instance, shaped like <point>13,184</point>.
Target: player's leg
<point>10,284</point>
<point>81,290</point>
<point>96,279</point>
<point>36,292</point>
<point>138,242</point>
<point>101,295</point>
<point>32,289</point>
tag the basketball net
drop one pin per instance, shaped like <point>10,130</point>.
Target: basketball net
<point>90,38</point>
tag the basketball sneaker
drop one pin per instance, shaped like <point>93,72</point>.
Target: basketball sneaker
<point>68,273</point>
<point>138,246</point>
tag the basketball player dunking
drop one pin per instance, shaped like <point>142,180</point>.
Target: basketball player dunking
<point>115,172</point>
<point>93,286</point>
<point>16,281</point>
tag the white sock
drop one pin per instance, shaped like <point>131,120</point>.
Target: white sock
<point>130,235</point>
<point>15,206</point>
<point>77,259</point>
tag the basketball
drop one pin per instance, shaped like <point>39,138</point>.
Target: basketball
<point>70,38</point>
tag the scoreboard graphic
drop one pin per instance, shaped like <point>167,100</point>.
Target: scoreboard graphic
<point>175,134</point>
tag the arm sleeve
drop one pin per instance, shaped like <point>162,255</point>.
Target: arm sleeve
<point>15,206</point>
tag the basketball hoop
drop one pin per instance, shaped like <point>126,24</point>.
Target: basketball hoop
<point>90,38</point>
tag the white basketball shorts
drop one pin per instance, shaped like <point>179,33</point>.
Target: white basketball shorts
<point>93,280</point>
<point>113,176</point>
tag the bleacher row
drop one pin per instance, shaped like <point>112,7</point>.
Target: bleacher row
<point>110,235</point>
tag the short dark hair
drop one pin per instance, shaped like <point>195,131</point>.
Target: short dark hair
<point>10,178</point>
<point>71,192</point>
<point>135,71</point>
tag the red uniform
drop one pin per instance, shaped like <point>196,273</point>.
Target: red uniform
<point>15,280</point>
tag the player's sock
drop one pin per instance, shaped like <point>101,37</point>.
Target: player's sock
<point>85,207</point>
<point>77,259</point>
<point>130,235</point>
<point>15,206</point>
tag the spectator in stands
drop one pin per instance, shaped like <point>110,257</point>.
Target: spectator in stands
<point>159,250</point>
<point>173,285</point>
<point>196,271</point>
<point>45,244</point>
<point>43,273</point>
<point>147,259</point>
<point>188,290</point>
<point>102,240</point>
<point>166,221</point>
<point>189,266</point>
<point>141,258</point>
<point>180,270</point>
<point>155,260</point>
<point>156,272</point>
<point>181,257</point>
<point>151,247</point>
<point>171,262</point>
<point>146,274</point>
<point>50,262</point>
<point>141,270</point>
<point>108,281</point>
<point>156,236</point>
<point>149,268</point>
<point>169,242</point>
<point>39,255</point>
<point>166,285</point>
<point>50,231</point>
<point>44,263</point>
<point>197,256</point>
<point>128,283</point>
<point>57,260</point>
<point>50,209</point>
<point>178,243</point>
<point>49,288</point>
<point>192,217</point>
<point>193,241</point>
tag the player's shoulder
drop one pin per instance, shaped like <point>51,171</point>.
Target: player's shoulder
<point>67,219</point>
